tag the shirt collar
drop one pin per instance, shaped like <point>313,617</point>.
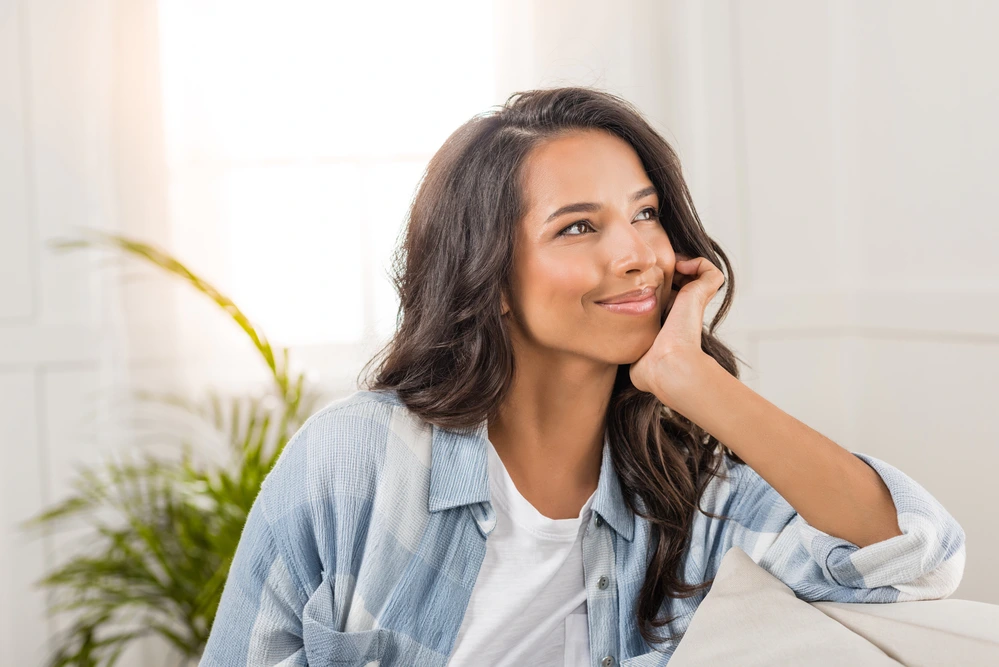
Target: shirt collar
<point>459,475</point>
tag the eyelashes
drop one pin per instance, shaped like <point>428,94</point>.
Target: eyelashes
<point>654,215</point>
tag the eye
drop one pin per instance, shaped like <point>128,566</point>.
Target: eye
<point>653,215</point>
<point>578,222</point>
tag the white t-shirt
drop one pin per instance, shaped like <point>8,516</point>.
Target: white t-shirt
<point>528,606</point>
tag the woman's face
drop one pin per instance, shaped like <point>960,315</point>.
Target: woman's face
<point>566,263</point>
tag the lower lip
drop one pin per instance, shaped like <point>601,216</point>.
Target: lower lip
<point>632,307</point>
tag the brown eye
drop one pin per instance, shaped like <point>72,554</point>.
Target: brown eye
<point>653,213</point>
<point>578,222</point>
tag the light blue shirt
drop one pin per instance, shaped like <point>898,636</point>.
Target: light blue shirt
<point>365,541</point>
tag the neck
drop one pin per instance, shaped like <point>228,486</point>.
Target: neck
<point>549,430</point>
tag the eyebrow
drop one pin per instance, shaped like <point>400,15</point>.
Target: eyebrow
<point>590,207</point>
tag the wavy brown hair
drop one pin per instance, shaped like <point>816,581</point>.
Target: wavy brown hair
<point>451,360</point>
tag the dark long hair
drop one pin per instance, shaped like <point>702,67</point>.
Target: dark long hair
<point>451,360</point>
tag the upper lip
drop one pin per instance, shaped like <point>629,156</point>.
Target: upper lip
<point>633,295</point>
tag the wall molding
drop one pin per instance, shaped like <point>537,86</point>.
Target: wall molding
<point>956,312</point>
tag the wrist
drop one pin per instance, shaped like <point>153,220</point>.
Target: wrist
<point>683,380</point>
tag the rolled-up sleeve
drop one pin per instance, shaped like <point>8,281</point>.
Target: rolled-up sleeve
<point>925,562</point>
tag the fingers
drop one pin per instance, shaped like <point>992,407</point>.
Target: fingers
<point>700,270</point>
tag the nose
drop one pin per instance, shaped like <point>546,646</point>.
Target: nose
<point>631,253</point>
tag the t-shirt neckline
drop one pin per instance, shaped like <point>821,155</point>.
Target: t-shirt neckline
<point>526,515</point>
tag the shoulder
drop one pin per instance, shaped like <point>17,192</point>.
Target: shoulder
<point>325,480</point>
<point>334,451</point>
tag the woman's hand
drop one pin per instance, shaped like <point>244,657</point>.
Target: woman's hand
<point>676,351</point>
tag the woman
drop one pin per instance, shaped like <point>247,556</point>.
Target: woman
<point>536,474</point>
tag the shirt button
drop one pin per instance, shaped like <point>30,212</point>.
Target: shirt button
<point>608,661</point>
<point>602,583</point>
<point>598,521</point>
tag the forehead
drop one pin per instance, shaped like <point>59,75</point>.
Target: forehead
<point>585,166</point>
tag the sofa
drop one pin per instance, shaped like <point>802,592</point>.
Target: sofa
<point>749,617</point>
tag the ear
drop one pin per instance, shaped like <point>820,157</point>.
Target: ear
<point>504,306</point>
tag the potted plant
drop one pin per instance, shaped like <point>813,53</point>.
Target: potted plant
<point>162,530</point>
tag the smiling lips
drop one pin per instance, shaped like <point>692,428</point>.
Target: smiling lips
<point>635,302</point>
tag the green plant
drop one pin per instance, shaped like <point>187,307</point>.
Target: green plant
<point>163,530</point>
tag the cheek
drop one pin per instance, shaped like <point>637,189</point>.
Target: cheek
<point>662,244</point>
<point>665,257</point>
<point>664,251</point>
<point>560,283</point>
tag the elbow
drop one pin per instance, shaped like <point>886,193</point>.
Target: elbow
<point>943,569</point>
<point>954,560</point>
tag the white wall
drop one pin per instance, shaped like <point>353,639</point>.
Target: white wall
<point>844,153</point>
<point>78,148</point>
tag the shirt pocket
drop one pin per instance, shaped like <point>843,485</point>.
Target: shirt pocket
<point>325,646</point>
<point>367,648</point>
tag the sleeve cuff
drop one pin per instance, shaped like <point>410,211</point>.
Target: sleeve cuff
<point>925,562</point>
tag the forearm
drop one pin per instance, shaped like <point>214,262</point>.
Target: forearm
<point>827,485</point>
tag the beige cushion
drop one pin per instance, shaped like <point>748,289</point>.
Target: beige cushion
<point>749,617</point>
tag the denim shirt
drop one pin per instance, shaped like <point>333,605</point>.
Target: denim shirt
<point>365,541</point>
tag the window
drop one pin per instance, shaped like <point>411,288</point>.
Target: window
<point>296,135</point>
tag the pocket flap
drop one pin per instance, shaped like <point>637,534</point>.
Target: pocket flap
<point>329,648</point>
<point>325,645</point>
